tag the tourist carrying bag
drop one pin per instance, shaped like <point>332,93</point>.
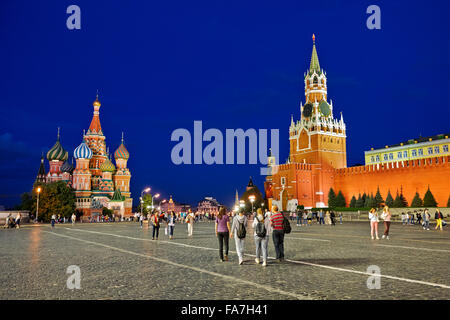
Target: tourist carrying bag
<point>286,225</point>
<point>241,232</point>
<point>260,229</point>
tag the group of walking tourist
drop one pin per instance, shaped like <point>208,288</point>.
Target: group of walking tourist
<point>422,217</point>
<point>306,217</point>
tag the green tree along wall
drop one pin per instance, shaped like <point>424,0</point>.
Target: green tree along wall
<point>389,200</point>
<point>340,200</point>
<point>55,198</point>
<point>352,202</point>
<point>331,198</point>
<point>400,201</point>
<point>416,202</point>
<point>378,198</point>
<point>428,199</point>
<point>359,202</point>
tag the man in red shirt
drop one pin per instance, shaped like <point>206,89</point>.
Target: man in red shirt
<point>276,221</point>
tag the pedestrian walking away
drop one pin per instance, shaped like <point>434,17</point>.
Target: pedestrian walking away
<point>386,216</point>
<point>426,219</point>
<point>276,223</point>
<point>53,220</point>
<point>222,228</point>
<point>18,218</point>
<point>239,231</point>
<point>299,218</point>
<point>141,220</point>
<point>262,231</point>
<point>373,218</point>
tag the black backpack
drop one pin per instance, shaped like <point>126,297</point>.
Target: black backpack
<point>241,232</point>
<point>286,225</point>
<point>260,229</point>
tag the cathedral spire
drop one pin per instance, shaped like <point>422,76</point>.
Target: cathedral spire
<point>95,126</point>
<point>314,65</point>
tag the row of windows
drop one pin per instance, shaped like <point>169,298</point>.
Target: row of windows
<point>414,153</point>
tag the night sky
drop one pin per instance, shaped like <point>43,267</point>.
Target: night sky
<point>160,65</point>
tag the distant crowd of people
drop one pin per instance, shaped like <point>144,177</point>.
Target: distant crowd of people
<point>422,217</point>
<point>321,217</point>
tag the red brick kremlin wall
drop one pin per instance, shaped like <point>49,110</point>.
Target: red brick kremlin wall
<point>410,176</point>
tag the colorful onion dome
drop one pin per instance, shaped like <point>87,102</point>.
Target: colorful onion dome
<point>121,152</point>
<point>57,152</point>
<point>107,166</point>
<point>67,167</point>
<point>83,151</point>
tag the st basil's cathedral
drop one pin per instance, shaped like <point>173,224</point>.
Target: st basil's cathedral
<point>96,180</point>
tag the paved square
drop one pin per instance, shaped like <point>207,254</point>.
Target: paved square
<point>120,261</point>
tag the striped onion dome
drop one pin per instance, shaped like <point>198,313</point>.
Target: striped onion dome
<point>67,167</point>
<point>121,152</point>
<point>82,151</point>
<point>57,152</point>
<point>107,166</point>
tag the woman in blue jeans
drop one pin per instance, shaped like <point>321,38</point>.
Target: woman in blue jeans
<point>171,223</point>
<point>261,243</point>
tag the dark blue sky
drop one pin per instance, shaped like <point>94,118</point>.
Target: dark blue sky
<point>160,65</point>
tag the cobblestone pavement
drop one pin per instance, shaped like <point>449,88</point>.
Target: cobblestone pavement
<point>120,261</point>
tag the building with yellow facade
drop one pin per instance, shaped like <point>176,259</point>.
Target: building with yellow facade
<point>414,149</point>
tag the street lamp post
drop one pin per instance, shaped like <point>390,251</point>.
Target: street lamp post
<point>242,204</point>
<point>252,199</point>
<point>38,190</point>
<point>155,196</point>
<point>142,197</point>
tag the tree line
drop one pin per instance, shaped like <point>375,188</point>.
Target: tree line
<point>376,201</point>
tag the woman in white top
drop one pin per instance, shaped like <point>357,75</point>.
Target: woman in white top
<point>261,243</point>
<point>373,217</point>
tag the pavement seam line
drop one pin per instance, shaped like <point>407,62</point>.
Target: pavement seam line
<point>267,288</point>
<point>293,261</point>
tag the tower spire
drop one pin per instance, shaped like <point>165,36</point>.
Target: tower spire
<point>122,137</point>
<point>314,65</point>
<point>58,133</point>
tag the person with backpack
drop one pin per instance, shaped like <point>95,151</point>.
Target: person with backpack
<point>261,225</point>
<point>239,231</point>
<point>222,228</point>
<point>277,225</point>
